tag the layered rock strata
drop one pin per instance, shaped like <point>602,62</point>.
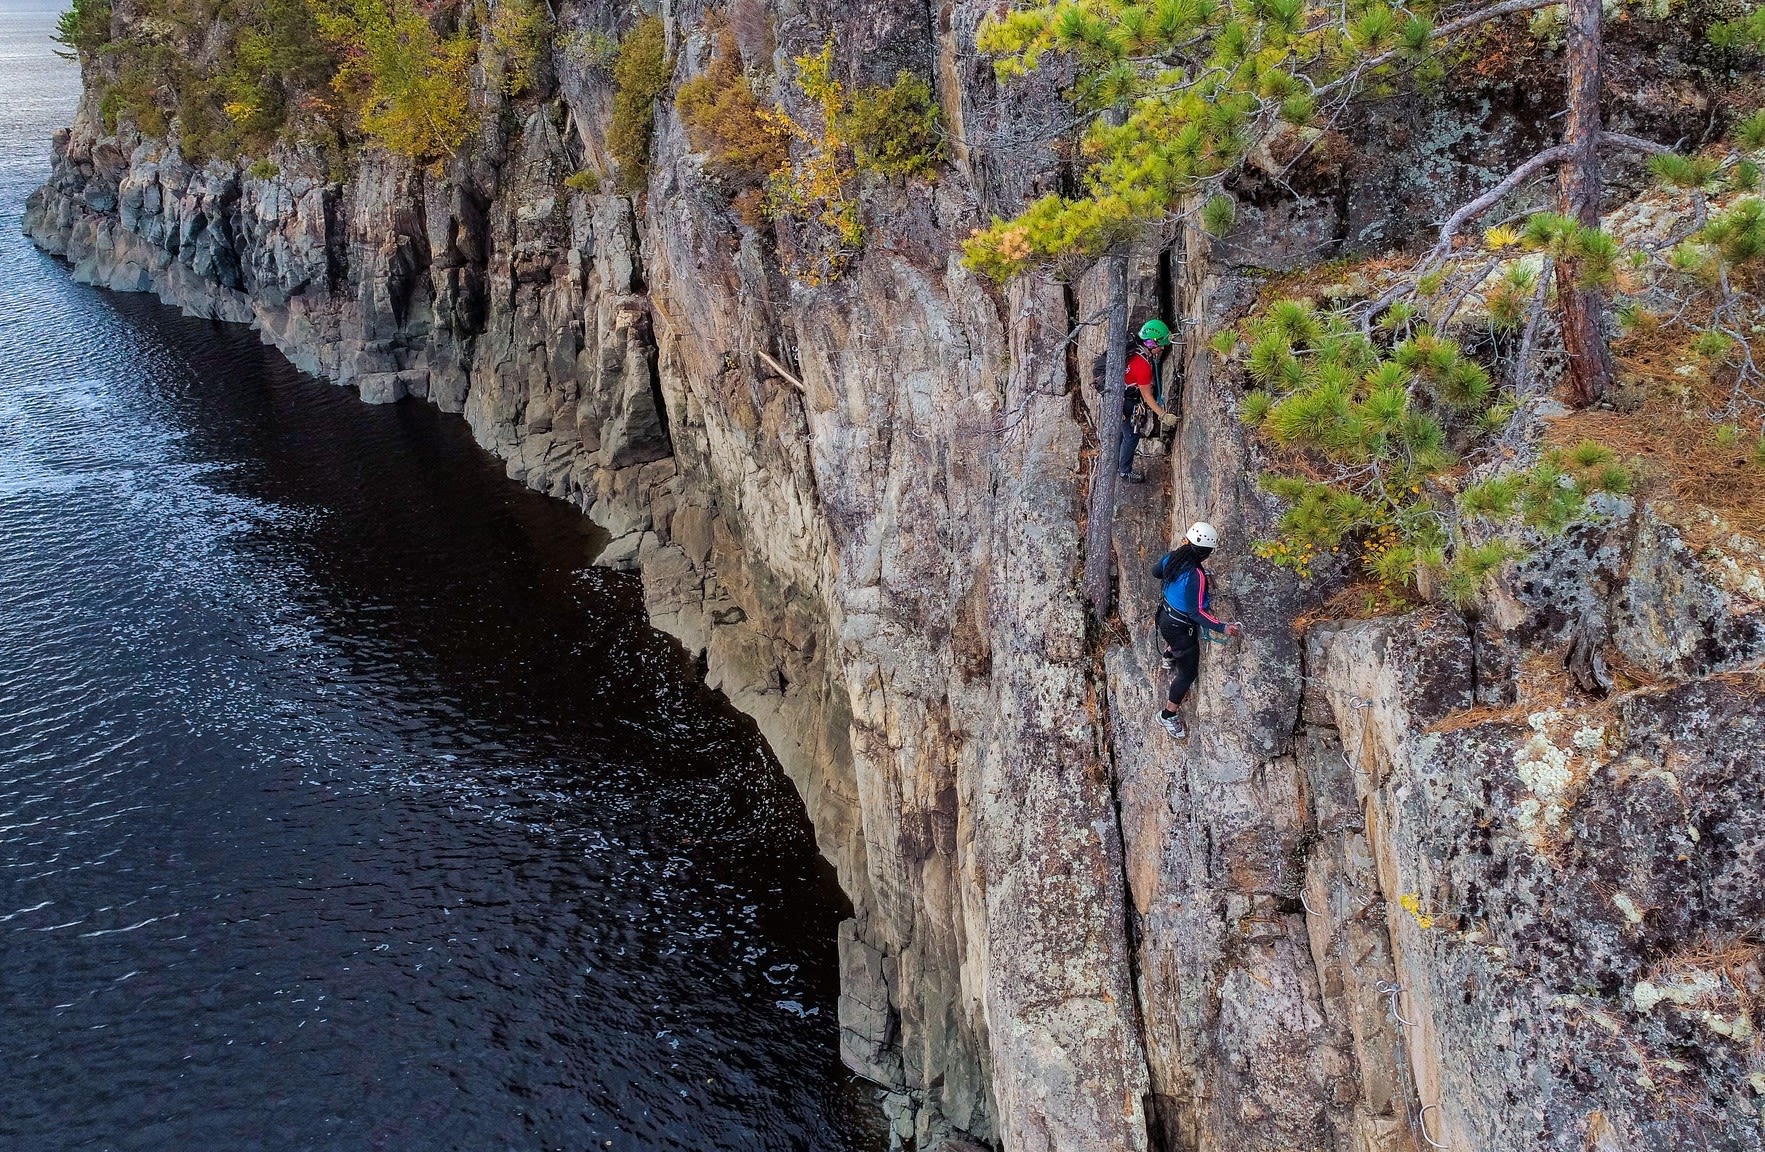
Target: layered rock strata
<point>1405,886</point>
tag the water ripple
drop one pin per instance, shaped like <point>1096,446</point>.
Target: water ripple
<point>342,805</point>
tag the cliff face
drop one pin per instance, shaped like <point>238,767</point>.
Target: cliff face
<point>1404,887</point>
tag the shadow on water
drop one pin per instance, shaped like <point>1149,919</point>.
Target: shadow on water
<point>343,805</point>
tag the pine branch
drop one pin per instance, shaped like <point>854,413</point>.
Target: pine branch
<point>1466,213</point>
<point>1449,29</point>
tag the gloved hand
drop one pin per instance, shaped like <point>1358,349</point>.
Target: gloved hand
<point>1168,421</point>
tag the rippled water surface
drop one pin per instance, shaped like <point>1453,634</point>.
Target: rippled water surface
<point>342,804</point>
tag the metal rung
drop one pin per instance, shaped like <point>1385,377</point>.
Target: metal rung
<point>1393,992</point>
<point>1422,1124</point>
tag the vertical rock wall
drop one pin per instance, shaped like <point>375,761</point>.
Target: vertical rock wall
<point>861,504</point>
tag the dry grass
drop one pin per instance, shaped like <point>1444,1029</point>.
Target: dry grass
<point>1360,599</point>
<point>1541,685</point>
<point>1478,716</point>
<point>1739,961</point>
<point>1670,439</point>
<point>1366,277</point>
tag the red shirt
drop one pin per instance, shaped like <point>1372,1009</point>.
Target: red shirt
<point>1139,383</point>
<point>1139,372</point>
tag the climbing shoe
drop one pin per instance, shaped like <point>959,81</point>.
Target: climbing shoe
<point>1173,725</point>
<point>1132,478</point>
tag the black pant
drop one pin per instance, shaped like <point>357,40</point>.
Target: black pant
<point>1181,638</point>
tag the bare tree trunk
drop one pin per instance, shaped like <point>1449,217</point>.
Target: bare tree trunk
<point>1099,529</point>
<point>1590,361</point>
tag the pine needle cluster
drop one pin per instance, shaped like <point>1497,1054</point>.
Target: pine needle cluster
<point>1367,431</point>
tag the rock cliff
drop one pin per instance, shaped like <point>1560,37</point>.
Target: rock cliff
<point>1409,885</point>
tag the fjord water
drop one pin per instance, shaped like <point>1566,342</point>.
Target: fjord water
<point>343,805</point>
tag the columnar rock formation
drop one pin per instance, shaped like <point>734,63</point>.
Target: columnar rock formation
<point>1405,887</point>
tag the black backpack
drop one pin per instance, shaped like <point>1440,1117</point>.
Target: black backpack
<point>1100,372</point>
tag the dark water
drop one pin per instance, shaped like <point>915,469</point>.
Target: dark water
<point>342,804</point>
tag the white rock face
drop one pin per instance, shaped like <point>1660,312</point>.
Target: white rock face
<point>1346,914</point>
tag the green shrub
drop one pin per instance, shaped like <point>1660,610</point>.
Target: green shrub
<point>407,82</point>
<point>640,77</point>
<point>814,191</point>
<point>742,139</point>
<point>135,91</point>
<point>236,85</point>
<point>84,28</point>
<point>586,181</point>
<point>520,31</point>
<point>1746,33</point>
<point>598,51</point>
<point>1750,133</point>
<point>895,131</point>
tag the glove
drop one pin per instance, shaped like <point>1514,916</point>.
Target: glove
<point>1168,421</point>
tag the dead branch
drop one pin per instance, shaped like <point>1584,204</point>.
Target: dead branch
<point>1633,144</point>
<point>1467,213</point>
<point>1470,286</point>
<point>784,373</point>
<point>1534,314</point>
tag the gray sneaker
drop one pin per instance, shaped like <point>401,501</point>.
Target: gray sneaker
<point>1131,477</point>
<point>1173,725</point>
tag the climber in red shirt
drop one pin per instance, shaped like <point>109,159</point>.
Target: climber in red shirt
<point>1141,387</point>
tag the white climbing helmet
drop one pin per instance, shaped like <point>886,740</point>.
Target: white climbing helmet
<point>1202,535</point>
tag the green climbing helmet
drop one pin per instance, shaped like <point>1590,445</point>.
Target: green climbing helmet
<point>1156,332</point>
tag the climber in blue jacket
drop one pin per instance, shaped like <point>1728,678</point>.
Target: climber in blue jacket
<point>1182,613</point>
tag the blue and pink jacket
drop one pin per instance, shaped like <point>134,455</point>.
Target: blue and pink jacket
<point>1186,594</point>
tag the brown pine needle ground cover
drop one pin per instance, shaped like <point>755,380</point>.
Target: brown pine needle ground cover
<point>1668,436</point>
